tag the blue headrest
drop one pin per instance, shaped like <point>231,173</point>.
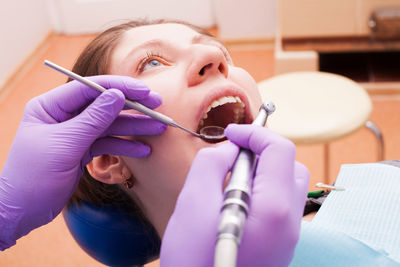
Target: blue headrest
<point>111,235</point>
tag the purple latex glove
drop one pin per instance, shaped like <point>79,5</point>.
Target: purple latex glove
<point>60,132</point>
<point>279,193</point>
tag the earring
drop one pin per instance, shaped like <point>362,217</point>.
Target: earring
<point>128,183</point>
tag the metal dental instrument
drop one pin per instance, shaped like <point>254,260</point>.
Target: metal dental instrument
<point>328,186</point>
<point>237,197</point>
<point>213,131</point>
<point>137,106</point>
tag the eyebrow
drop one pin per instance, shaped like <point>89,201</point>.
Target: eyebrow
<point>195,40</point>
<point>202,37</point>
<point>151,43</point>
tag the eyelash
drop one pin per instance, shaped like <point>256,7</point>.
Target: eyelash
<point>150,56</point>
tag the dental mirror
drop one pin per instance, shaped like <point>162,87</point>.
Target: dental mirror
<point>212,134</point>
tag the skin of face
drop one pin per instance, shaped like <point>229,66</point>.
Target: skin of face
<point>189,71</point>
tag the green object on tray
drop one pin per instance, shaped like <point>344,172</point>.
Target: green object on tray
<point>316,194</point>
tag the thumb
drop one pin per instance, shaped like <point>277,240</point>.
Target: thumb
<point>210,168</point>
<point>100,114</point>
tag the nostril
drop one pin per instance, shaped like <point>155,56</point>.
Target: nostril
<point>221,68</point>
<point>203,69</point>
<point>201,72</point>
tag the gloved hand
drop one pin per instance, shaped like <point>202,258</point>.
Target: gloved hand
<point>277,203</point>
<point>60,132</point>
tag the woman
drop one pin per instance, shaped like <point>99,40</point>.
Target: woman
<point>170,66</point>
<point>195,77</point>
<point>199,86</point>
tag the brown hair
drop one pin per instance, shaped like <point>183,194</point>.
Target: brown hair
<point>95,60</point>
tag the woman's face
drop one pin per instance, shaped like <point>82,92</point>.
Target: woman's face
<point>192,73</point>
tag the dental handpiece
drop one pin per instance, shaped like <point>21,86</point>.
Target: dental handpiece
<point>132,104</point>
<point>237,197</point>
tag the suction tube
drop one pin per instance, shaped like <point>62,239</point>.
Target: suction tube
<point>237,196</point>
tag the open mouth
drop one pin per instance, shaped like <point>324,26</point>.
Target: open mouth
<point>223,111</point>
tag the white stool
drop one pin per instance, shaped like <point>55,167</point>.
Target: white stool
<point>318,107</point>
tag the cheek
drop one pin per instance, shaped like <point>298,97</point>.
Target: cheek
<point>168,164</point>
<point>168,85</point>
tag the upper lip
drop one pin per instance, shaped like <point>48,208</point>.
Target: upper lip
<point>221,91</point>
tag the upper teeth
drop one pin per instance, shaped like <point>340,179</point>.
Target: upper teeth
<point>223,100</point>
<point>238,110</point>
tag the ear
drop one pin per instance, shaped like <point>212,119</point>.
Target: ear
<point>109,169</point>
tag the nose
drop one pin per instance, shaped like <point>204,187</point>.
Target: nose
<point>206,61</point>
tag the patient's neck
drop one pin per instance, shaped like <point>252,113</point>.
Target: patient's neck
<point>156,204</point>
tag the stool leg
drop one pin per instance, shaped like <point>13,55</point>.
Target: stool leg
<point>326,163</point>
<point>378,134</point>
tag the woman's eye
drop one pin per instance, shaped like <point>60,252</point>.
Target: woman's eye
<point>151,64</point>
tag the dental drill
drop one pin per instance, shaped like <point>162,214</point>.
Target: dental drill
<point>236,201</point>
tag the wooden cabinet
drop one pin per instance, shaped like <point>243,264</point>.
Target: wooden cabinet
<point>327,18</point>
<point>334,36</point>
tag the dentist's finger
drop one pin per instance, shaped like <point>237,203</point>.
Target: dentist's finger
<point>97,117</point>
<point>212,164</point>
<point>277,154</point>
<point>302,179</point>
<point>69,99</point>
<point>117,147</point>
<point>135,124</point>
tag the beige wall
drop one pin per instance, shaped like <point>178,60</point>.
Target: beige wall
<point>241,19</point>
<point>23,25</point>
<point>246,19</point>
<point>78,16</point>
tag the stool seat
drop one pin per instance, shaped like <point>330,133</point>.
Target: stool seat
<point>315,107</point>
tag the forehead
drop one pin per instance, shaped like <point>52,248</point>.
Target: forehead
<point>171,32</point>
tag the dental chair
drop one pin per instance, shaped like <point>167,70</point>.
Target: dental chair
<point>111,236</point>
